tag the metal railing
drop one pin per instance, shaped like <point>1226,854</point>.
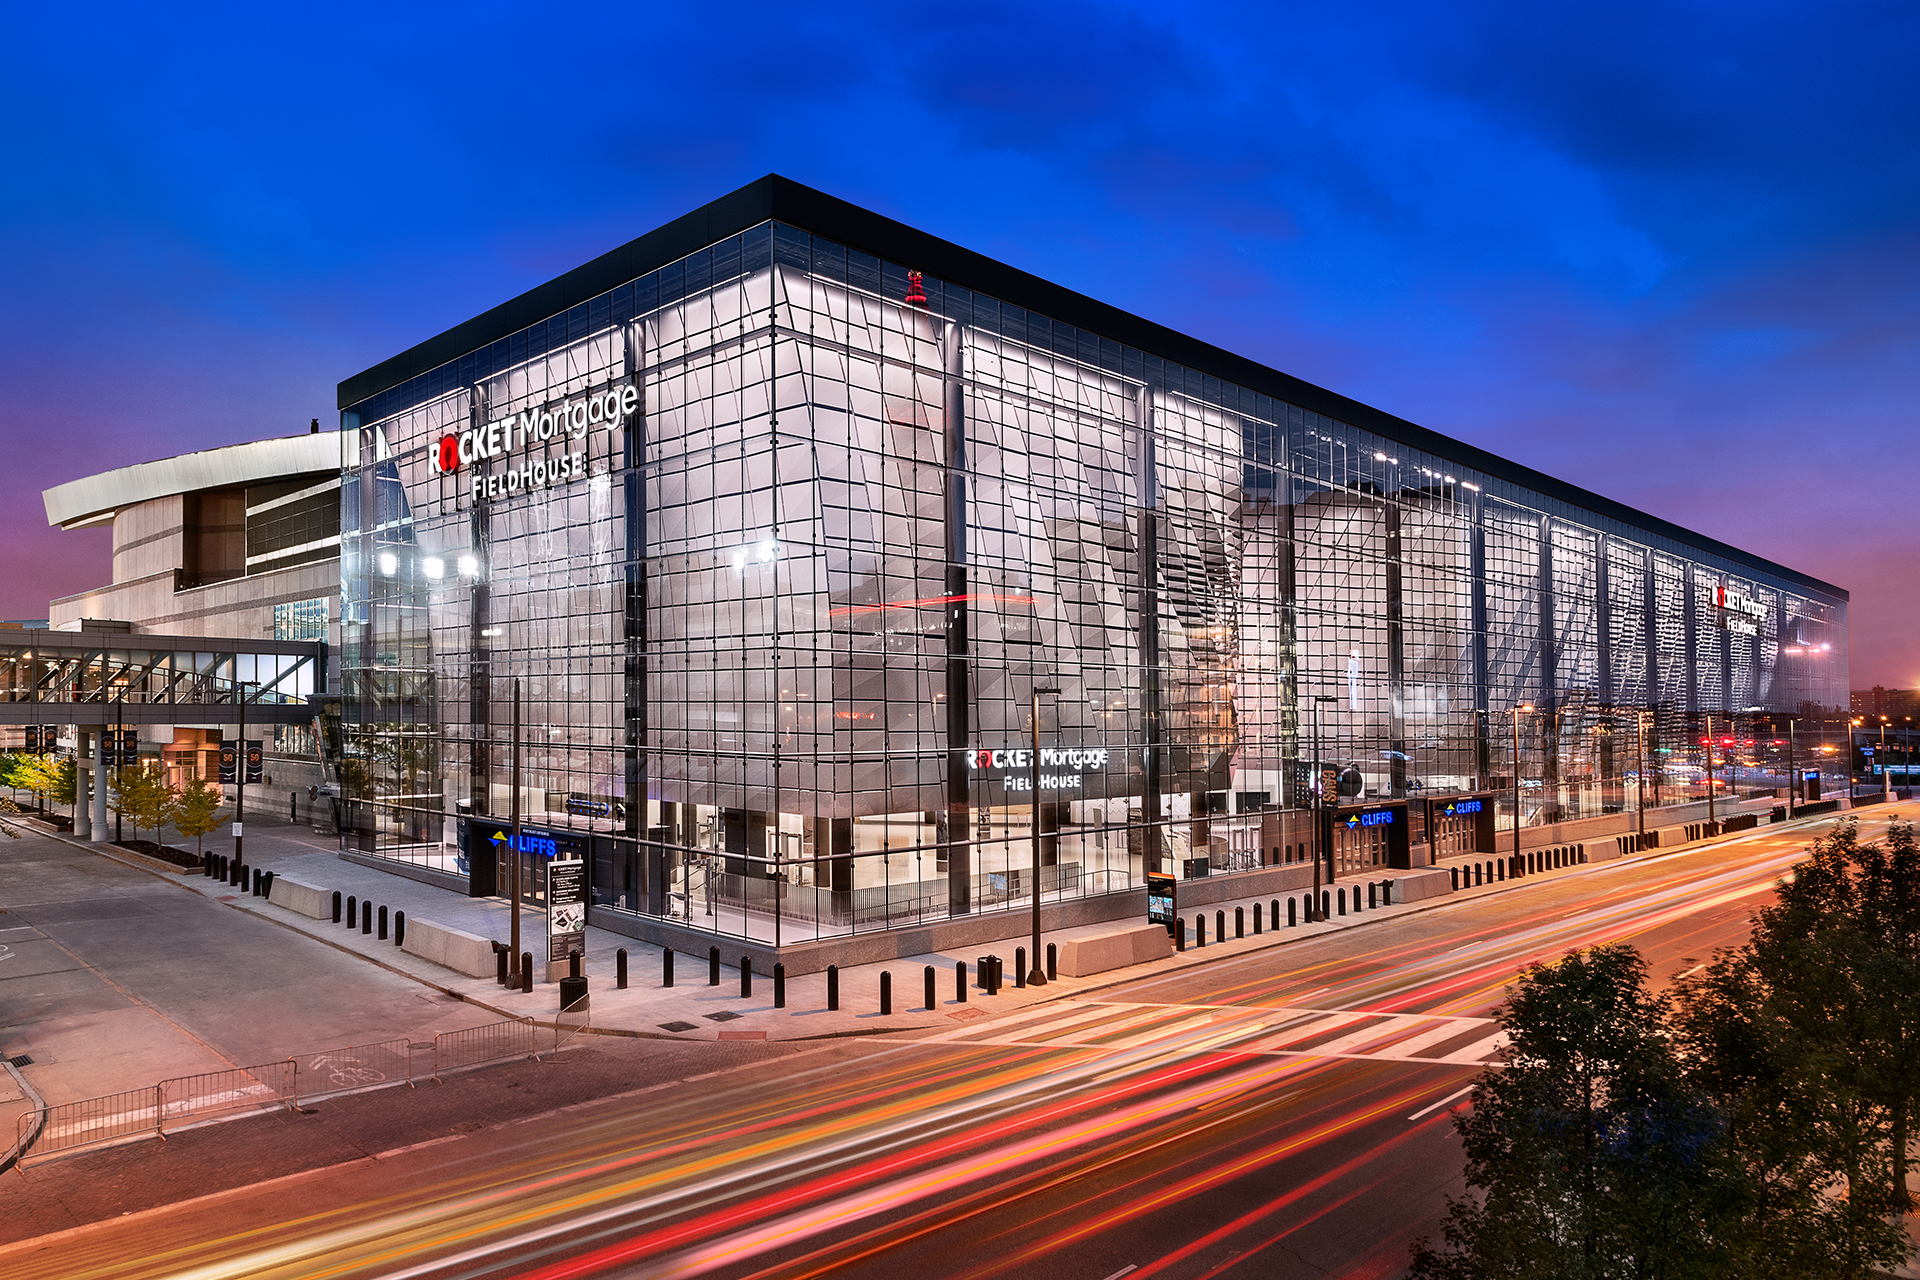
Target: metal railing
<point>491,1042</point>
<point>183,1100</point>
<point>357,1066</point>
<point>171,1103</point>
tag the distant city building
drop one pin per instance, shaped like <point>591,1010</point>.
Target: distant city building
<point>1881,701</point>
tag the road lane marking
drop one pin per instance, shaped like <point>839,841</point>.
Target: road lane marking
<point>1443,1102</point>
<point>1479,1050</point>
<point>1126,1270</point>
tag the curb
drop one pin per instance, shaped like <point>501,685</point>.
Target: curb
<point>21,1145</point>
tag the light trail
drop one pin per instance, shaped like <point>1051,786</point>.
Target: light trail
<point>1177,1103</point>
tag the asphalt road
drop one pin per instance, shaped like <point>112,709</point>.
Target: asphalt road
<point>1280,1113</point>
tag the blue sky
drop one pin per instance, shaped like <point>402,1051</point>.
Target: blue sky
<point>1669,252</point>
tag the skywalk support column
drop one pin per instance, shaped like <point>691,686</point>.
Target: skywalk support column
<point>82,781</point>
<point>959,832</point>
<point>100,784</point>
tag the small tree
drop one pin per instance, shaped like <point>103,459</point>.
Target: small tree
<point>140,795</point>
<point>197,812</point>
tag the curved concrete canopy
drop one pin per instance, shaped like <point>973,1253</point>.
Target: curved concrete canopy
<point>94,499</point>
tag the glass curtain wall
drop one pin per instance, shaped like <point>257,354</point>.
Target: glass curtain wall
<point>780,614</point>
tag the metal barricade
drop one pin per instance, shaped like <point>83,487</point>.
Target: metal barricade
<point>187,1098</point>
<point>132,1114</point>
<point>152,1111</point>
<point>358,1066</point>
<point>489,1042</point>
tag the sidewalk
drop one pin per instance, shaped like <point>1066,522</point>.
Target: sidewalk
<point>694,1010</point>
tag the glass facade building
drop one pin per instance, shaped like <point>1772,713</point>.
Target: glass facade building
<point>778,518</point>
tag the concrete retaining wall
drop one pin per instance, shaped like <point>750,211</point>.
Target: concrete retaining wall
<point>1082,956</point>
<point>454,948</point>
<point>296,895</point>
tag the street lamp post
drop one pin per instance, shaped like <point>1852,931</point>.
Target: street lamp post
<point>1038,976</point>
<point>1852,724</point>
<point>1710,817</point>
<point>1792,769</point>
<point>1322,827</point>
<point>1640,756</point>
<point>1528,708</point>
<point>1886,779</point>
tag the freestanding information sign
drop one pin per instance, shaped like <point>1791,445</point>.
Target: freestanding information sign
<point>1162,909</point>
<point>566,914</point>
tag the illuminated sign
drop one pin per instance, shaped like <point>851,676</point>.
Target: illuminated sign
<point>1161,891</point>
<point>531,428</point>
<point>1739,613</point>
<point>530,842</point>
<point>1454,807</point>
<point>1369,818</point>
<point>1015,765</point>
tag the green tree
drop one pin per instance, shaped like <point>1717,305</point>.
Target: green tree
<point>1806,1039</point>
<point>141,795</point>
<point>197,811</point>
<point>1589,1159</point>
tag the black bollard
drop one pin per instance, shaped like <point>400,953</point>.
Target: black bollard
<point>999,974</point>
<point>1220,925</point>
<point>620,969</point>
<point>266,885</point>
<point>1019,967</point>
<point>959,981</point>
<point>1273,912</point>
<point>833,988</point>
<point>1386,893</point>
<point>1290,919</point>
<point>929,985</point>
<point>983,974</point>
<point>366,916</point>
<point>499,964</point>
<point>526,972</point>
<point>1456,878</point>
<point>1240,922</point>
<point>1180,935</point>
<point>353,911</point>
<point>336,906</point>
<point>746,977</point>
<point>1326,900</point>
<point>779,986</point>
<point>1053,974</point>
<point>713,966</point>
<point>1200,929</point>
<point>383,923</point>
<point>293,806</point>
<point>399,928</point>
<point>1373,894</point>
<point>1343,897</point>
<point>886,993</point>
<point>666,967</point>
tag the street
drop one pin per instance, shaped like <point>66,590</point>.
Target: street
<point>1284,1112</point>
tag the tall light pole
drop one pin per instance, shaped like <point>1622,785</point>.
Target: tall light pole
<point>1709,766</point>
<point>513,844</point>
<point>1886,779</point>
<point>1037,977</point>
<point>1528,708</point>
<point>1322,826</point>
<point>1792,769</point>
<point>1640,757</point>
<point>1852,724</point>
